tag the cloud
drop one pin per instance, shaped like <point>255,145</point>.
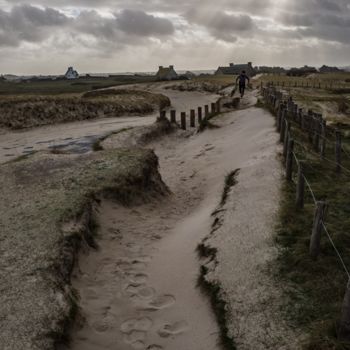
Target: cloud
<point>139,23</point>
<point>110,31</point>
<point>28,23</point>
<point>25,23</point>
<point>221,25</point>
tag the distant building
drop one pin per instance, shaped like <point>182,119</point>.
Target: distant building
<point>270,70</point>
<point>327,69</point>
<point>166,73</point>
<point>71,74</point>
<point>303,71</point>
<point>235,69</point>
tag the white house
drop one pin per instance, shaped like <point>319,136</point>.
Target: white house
<point>71,74</point>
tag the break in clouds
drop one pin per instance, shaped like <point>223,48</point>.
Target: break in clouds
<point>139,35</point>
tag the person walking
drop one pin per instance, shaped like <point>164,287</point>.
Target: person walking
<point>241,79</point>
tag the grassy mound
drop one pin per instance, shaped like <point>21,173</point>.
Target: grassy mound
<point>18,112</point>
<point>46,214</point>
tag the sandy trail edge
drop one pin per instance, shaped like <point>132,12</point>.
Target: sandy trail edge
<point>194,169</point>
<point>78,137</point>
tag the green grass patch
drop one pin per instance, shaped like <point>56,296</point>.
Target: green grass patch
<point>315,288</point>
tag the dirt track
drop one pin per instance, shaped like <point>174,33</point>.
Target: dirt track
<point>139,290</point>
<point>80,136</point>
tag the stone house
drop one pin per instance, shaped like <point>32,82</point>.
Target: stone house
<point>166,73</point>
<point>236,69</point>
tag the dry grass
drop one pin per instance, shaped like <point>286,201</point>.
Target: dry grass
<point>332,100</point>
<point>27,111</point>
<point>317,288</point>
<point>212,83</point>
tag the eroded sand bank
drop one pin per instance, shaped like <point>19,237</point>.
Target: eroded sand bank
<point>139,290</point>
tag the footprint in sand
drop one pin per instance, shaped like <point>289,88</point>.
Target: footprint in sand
<point>135,337</point>
<point>176,328</point>
<point>140,291</point>
<point>143,324</point>
<point>138,278</point>
<point>104,324</point>
<point>161,302</point>
<point>154,347</point>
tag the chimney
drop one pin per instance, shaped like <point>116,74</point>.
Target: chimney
<point>171,67</point>
<point>250,64</point>
<point>231,64</point>
<point>160,67</point>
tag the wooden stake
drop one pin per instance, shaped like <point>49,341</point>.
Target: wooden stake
<point>283,125</point>
<point>338,151</point>
<point>289,161</point>
<point>162,115</point>
<point>173,116</point>
<point>206,110</point>
<point>183,120</point>
<point>300,186</point>
<point>199,115</point>
<point>344,322</point>
<point>286,138</point>
<point>193,118</point>
<point>317,229</point>
<point>323,141</point>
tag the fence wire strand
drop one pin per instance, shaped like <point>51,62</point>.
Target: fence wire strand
<point>336,250</point>
<point>315,201</point>
<point>310,189</point>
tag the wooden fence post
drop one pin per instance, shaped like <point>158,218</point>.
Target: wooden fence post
<point>199,115</point>
<point>162,115</point>
<point>279,117</point>
<point>173,116</point>
<point>283,125</point>
<point>338,150</point>
<point>193,118</point>
<point>300,186</point>
<point>218,107</point>
<point>213,108</point>
<point>183,120</point>
<point>324,141</point>
<point>316,138</point>
<point>315,241</point>
<point>343,330</point>
<point>289,161</point>
<point>206,110</point>
<point>286,138</point>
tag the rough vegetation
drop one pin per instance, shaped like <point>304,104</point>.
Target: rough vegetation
<point>18,112</point>
<point>328,94</point>
<point>212,84</point>
<point>46,214</point>
<point>317,287</point>
<point>63,86</point>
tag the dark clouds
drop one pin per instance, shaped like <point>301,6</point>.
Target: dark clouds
<point>26,23</point>
<point>125,28</point>
<point>140,23</point>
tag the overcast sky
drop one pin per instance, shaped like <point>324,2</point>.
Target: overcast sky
<point>46,36</point>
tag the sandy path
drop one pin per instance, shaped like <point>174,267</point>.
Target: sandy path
<point>77,136</point>
<point>80,136</point>
<point>139,290</point>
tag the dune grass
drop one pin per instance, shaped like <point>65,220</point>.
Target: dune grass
<point>315,288</point>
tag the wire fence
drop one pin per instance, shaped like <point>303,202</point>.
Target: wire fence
<point>311,123</point>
